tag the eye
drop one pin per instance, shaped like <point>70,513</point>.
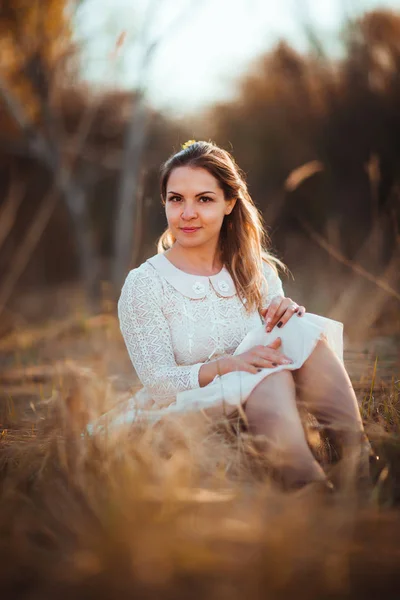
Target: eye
<point>174,199</point>
<point>206,199</point>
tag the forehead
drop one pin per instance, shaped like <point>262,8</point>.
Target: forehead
<point>187,179</point>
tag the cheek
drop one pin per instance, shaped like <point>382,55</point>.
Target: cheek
<point>213,217</point>
<point>172,214</point>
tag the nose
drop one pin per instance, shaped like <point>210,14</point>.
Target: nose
<point>189,211</point>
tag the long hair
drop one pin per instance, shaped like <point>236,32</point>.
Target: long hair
<point>243,242</point>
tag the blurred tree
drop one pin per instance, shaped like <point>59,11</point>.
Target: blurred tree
<point>35,37</point>
<point>294,111</point>
<point>128,207</point>
<point>371,80</point>
<point>36,53</point>
<point>51,120</point>
<point>273,124</point>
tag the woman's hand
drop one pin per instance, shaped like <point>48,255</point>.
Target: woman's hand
<point>252,361</point>
<point>279,311</point>
<point>258,357</point>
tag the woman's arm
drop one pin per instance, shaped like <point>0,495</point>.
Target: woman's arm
<point>274,285</point>
<point>251,361</point>
<point>208,371</point>
<point>276,308</point>
<point>147,337</point>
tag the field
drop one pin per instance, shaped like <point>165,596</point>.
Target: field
<point>184,508</point>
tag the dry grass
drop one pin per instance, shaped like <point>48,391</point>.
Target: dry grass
<point>178,509</point>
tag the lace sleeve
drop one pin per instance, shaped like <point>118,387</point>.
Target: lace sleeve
<point>147,337</point>
<point>274,284</point>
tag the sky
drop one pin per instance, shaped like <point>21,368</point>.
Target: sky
<point>204,45</point>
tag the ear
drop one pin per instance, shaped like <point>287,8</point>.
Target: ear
<point>229,205</point>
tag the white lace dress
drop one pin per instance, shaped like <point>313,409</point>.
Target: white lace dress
<point>172,322</point>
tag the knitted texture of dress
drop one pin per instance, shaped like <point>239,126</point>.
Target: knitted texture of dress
<point>172,322</point>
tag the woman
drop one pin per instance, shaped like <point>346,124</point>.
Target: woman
<point>208,327</point>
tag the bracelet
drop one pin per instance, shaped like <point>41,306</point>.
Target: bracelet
<point>208,359</point>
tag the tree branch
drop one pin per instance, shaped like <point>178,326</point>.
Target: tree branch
<point>25,250</point>
<point>9,209</point>
<point>15,108</point>
<point>323,243</point>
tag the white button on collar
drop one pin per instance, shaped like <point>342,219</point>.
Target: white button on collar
<point>198,287</point>
<point>223,285</point>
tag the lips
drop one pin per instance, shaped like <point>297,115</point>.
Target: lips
<point>189,229</point>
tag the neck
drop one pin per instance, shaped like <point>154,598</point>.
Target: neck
<point>199,261</point>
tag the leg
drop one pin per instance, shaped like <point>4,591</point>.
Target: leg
<point>272,413</point>
<point>325,389</point>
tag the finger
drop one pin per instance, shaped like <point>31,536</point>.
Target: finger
<point>260,348</point>
<point>270,317</point>
<point>275,344</point>
<point>271,308</point>
<point>301,310</point>
<point>267,363</point>
<point>285,302</point>
<point>288,314</point>
<point>274,356</point>
<point>263,363</point>
<point>265,350</point>
<point>248,367</point>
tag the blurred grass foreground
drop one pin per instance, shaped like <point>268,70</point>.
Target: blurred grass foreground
<point>183,508</point>
<point>186,508</point>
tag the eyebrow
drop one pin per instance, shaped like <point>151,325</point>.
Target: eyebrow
<point>201,193</point>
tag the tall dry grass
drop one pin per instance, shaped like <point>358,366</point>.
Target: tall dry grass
<point>183,508</point>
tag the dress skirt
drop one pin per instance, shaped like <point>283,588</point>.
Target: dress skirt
<point>226,392</point>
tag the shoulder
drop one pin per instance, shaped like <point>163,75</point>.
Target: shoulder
<point>273,283</point>
<point>143,273</point>
<point>270,270</point>
<point>142,282</point>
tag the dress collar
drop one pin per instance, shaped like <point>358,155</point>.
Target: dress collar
<point>193,286</point>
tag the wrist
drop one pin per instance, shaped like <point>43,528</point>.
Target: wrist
<point>225,365</point>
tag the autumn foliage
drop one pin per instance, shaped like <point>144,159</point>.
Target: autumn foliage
<point>317,136</point>
<point>35,38</point>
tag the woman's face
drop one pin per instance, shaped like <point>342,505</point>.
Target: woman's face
<point>195,207</point>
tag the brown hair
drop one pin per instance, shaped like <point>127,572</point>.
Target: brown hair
<point>243,240</point>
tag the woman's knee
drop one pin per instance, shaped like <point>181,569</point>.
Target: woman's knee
<point>282,428</point>
<point>272,387</point>
<point>321,352</point>
<point>273,400</point>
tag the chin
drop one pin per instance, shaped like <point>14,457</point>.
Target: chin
<point>186,242</point>
<point>193,240</point>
